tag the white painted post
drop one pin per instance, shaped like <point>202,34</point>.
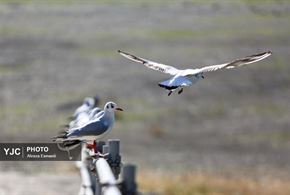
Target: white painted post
<point>106,178</point>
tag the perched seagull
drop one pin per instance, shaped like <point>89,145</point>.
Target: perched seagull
<point>81,119</point>
<point>187,77</point>
<point>87,105</point>
<point>97,128</point>
<point>81,113</point>
<point>84,117</point>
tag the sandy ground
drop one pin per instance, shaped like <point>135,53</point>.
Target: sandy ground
<point>15,183</point>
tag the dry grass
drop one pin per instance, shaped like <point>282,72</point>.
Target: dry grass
<point>156,131</point>
<point>190,184</point>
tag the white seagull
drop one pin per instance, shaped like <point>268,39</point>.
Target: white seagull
<point>87,105</point>
<point>84,117</point>
<point>187,77</point>
<point>100,125</point>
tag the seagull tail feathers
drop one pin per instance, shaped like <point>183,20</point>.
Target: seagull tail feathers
<point>60,137</point>
<point>71,143</point>
<point>68,145</point>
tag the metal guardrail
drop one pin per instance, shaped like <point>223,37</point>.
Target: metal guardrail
<point>88,185</point>
<point>107,165</point>
<point>106,179</point>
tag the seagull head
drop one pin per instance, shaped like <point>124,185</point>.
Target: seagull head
<point>89,101</point>
<point>111,107</point>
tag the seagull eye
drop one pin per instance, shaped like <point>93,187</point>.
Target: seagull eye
<point>112,106</point>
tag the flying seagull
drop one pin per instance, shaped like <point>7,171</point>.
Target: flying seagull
<point>97,128</point>
<point>187,77</point>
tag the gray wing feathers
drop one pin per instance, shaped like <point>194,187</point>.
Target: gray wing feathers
<point>238,62</point>
<point>92,129</point>
<point>233,64</point>
<point>150,64</point>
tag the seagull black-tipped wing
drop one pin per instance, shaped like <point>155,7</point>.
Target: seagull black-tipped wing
<point>236,63</point>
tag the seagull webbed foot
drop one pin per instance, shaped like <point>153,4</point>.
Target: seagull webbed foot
<point>180,91</point>
<point>170,92</point>
<point>93,147</point>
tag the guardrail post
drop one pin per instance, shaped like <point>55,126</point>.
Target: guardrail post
<point>100,145</point>
<point>129,186</point>
<point>114,158</point>
<point>105,149</point>
<point>108,169</point>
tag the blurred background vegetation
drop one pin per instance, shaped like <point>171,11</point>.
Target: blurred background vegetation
<point>228,134</point>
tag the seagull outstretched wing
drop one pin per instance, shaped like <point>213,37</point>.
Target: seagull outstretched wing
<point>153,65</point>
<point>233,64</point>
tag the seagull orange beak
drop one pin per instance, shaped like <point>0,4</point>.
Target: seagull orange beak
<point>119,109</point>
